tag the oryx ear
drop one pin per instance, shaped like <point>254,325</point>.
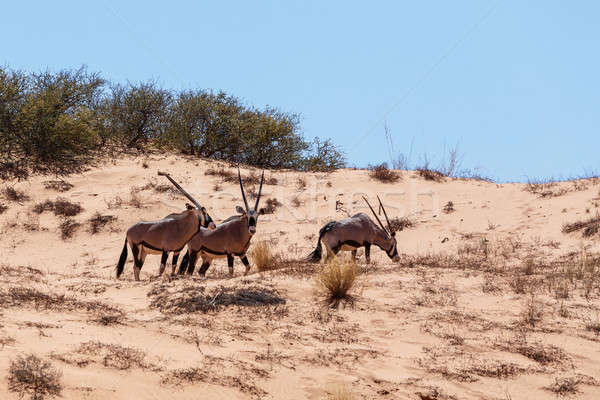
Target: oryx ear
<point>261,211</point>
<point>393,234</point>
<point>189,206</point>
<point>240,210</point>
<point>203,210</point>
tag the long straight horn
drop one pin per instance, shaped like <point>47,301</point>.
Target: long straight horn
<point>384,213</point>
<point>376,217</point>
<point>242,189</point>
<point>186,194</point>
<point>262,178</point>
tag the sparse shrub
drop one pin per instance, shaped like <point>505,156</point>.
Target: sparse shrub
<point>58,185</point>
<point>192,299</point>
<point>60,207</point>
<point>263,257</point>
<point>271,181</point>
<point>12,194</point>
<point>590,227</point>
<point>449,207</point>
<point>565,386</point>
<point>217,187</point>
<point>430,174</point>
<point>335,281</point>
<point>532,311</point>
<point>31,223</point>
<point>34,376</point>
<point>398,224</point>
<point>3,208</point>
<point>225,175</point>
<point>271,205</point>
<point>383,174</point>
<point>145,165</point>
<point>135,200</point>
<point>301,183</point>
<point>98,221</point>
<point>296,202</point>
<point>68,228</point>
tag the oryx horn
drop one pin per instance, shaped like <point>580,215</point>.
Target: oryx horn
<point>242,188</point>
<point>375,214</point>
<point>186,194</point>
<point>384,213</point>
<point>262,178</point>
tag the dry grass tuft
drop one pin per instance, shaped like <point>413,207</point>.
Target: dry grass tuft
<point>532,312</point>
<point>3,208</point>
<point>301,183</point>
<point>335,281</point>
<point>58,185</point>
<point>135,199</point>
<point>449,207</point>
<point>115,356</point>
<point>68,228</point>
<point>383,174</point>
<point>590,227</point>
<point>19,296</point>
<point>430,174</point>
<point>61,207</point>
<point>98,221</point>
<point>12,194</point>
<point>271,205</point>
<point>34,376</point>
<point>340,392</point>
<point>398,224</point>
<point>264,258</point>
<point>192,298</point>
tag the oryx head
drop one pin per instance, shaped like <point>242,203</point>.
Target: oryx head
<point>251,214</point>
<point>392,249</point>
<point>203,218</point>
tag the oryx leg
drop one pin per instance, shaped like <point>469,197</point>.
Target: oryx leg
<point>163,262</point>
<point>246,264</point>
<point>184,262</point>
<point>175,258</point>
<point>230,264</point>
<point>368,252</point>
<point>205,264</point>
<point>139,255</point>
<point>332,251</point>
<point>193,257</point>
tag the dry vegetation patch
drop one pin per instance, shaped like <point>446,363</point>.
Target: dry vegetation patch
<point>3,208</point>
<point>98,221</point>
<point>68,228</point>
<point>398,224</point>
<point>58,185</point>
<point>590,226</point>
<point>272,205</point>
<point>16,195</point>
<point>336,280</point>
<point>33,376</point>
<point>430,174</point>
<point>264,258</point>
<point>61,207</point>
<point>192,298</point>
<point>383,174</point>
<point>115,355</point>
<point>19,296</point>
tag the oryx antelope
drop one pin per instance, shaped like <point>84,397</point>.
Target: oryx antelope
<point>230,238</point>
<point>169,234</point>
<point>357,231</point>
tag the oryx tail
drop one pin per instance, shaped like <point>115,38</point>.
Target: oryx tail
<point>315,256</point>
<point>122,260</point>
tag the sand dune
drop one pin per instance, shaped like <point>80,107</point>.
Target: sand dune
<point>490,300</point>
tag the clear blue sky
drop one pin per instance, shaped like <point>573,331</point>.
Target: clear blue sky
<point>516,84</point>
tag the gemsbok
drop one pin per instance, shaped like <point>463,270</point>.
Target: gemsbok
<point>169,234</point>
<point>230,238</point>
<point>357,231</point>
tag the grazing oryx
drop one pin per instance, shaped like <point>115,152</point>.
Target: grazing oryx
<point>169,234</point>
<point>228,239</point>
<point>351,233</point>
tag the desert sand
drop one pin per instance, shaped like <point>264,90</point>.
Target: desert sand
<point>491,300</point>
